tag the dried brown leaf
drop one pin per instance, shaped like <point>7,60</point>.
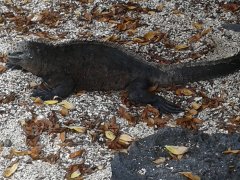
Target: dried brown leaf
<point>77,153</point>
<point>231,7</point>
<point>181,47</point>
<point>150,35</point>
<point>195,38</point>
<point>124,114</point>
<point>184,91</point>
<point>206,31</point>
<point>2,69</point>
<point>177,150</point>
<point>110,135</point>
<point>230,151</point>
<point>64,111</point>
<point>10,170</point>
<point>78,129</point>
<point>159,160</point>
<point>190,175</point>
<point>62,136</point>
<point>198,25</point>
<point>35,152</point>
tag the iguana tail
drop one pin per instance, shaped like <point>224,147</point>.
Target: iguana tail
<point>189,72</point>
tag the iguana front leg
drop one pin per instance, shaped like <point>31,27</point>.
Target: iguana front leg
<point>138,93</point>
<point>60,87</point>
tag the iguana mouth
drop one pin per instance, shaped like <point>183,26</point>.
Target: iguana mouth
<point>15,56</point>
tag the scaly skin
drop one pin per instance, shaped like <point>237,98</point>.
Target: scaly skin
<point>91,66</point>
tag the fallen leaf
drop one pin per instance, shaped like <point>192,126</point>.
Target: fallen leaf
<point>37,18</point>
<point>77,153</point>
<point>189,122</point>
<point>177,150</point>
<point>190,175</point>
<point>160,160</point>
<point>124,114</point>
<point>67,105</point>
<point>79,129</point>
<point>35,152</point>
<point>10,170</point>
<point>198,25</point>
<point>206,31</point>
<point>196,106</point>
<point>51,102</point>
<point>195,38</point>
<point>110,135</point>
<point>19,153</point>
<point>231,7</point>
<point>160,7</point>
<point>230,151</point>
<point>52,158</point>
<point>38,100</point>
<point>64,111</point>
<point>184,91</point>
<point>75,174</point>
<point>2,69</point>
<point>62,136</point>
<point>150,35</point>
<point>181,47</point>
<point>192,112</point>
<point>125,138</point>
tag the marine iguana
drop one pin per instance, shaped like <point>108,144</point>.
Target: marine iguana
<point>91,66</point>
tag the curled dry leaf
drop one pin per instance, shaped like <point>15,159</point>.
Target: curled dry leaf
<point>124,114</point>
<point>190,175</point>
<point>181,47</point>
<point>110,135</point>
<point>150,35</point>
<point>62,136</point>
<point>10,170</point>
<point>196,106</point>
<point>77,153</point>
<point>160,7</point>
<point>75,174</point>
<point>79,129</point>
<point>193,112</point>
<point>189,122</point>
<point>38,100</point>
<point>195,38</point>
<point>64,111</point>
<point>80,93</point>
<point>51,102</point>
<point>18,153</point>
<point>206,31</point>
<point>125,139</point>
<point>2,69</point>
<point>231,7</point>
<point>177,150</point>
<point>35,152</point>
<point>198,25</point>
<point>184,91</point>
<point>67,105</point>
<point>230,151</point>
<point>37,18</point>
<point>160,160</point>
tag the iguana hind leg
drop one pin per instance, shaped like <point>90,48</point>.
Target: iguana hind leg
<point>138,93</point>
<point>61,89</point>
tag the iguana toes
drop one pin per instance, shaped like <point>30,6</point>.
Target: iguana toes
<point>99,66</point>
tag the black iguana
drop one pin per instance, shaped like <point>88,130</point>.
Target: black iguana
<point>90,66</point>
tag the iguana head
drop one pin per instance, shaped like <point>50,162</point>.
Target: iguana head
<point>28,55</point>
